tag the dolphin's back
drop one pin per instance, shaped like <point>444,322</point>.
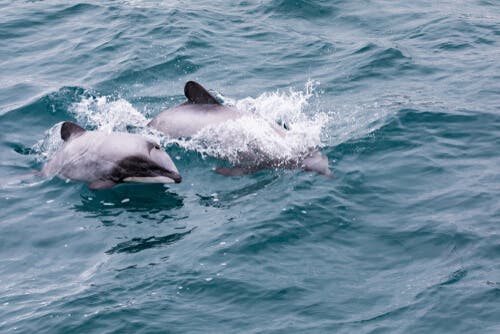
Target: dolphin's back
<point>187,119</point>
<point>200,110</point>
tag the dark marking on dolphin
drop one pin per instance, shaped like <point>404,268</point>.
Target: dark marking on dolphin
<point>70,129</point>
<point>138,166</point>
<point>196,93</point>
<point>105,159</point>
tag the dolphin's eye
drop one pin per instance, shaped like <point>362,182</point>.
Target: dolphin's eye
<point>152,145</point>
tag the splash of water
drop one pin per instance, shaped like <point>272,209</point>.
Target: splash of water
<point>260,135</point>
<point>99,113</point>
<point>107,115</point>
<point>48,145</point>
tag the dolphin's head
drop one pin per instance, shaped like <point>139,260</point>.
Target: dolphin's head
<point>151,164</point>
<point>106,159</point>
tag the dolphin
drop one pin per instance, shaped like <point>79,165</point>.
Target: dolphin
<point>202,109</point>
<point>105,159</point>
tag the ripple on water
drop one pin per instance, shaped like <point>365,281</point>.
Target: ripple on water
<point>401,97</point>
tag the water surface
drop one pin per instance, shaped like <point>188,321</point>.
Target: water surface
<point>402,98</point>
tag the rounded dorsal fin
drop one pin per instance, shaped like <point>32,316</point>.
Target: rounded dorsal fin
<point>70,129</point>
<point>195,93</point>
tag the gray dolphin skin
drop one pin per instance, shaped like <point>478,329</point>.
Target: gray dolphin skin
<point>106,159</point>
<point>202,109</point>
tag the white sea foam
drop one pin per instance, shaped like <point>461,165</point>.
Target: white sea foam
<point>256,134</point>
<point>107,115</point>
<point>253,136</point>
<point>99,113</point>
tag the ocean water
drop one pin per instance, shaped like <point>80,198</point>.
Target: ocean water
<point>403,98</point>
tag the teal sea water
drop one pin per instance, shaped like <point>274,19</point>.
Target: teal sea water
<point>403,98</point>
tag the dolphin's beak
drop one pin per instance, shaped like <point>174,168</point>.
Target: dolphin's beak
<point>174,176</point>
<point>164,176</point>
<point>139,169</point>
<point>170,177</point>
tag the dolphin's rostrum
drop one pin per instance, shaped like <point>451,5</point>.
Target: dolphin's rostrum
<point>105,159</point>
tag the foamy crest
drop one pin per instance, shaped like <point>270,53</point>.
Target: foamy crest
<point>258,135</point>
<point>107,115</point>
<point>281,106</point>
<point>149,3</point>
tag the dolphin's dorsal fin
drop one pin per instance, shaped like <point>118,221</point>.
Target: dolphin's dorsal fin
<point>195,93</point>
<point>70,129</point>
